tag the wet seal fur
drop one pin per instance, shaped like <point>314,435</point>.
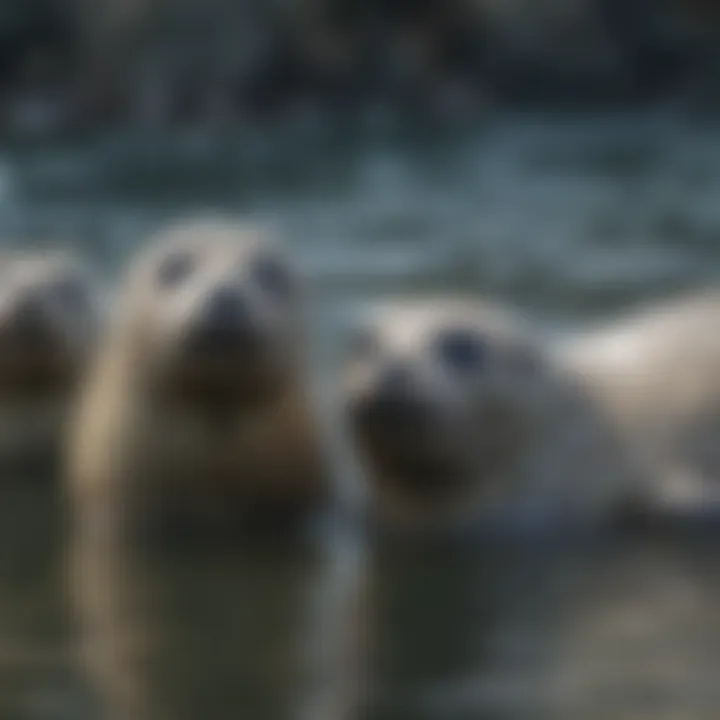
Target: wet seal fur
<point>52,312</point>
<point>655,372</point>
<point>461,417</point>
<point>197,418</point>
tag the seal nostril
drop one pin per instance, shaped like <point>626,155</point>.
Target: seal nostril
<point>395,382</point>
<point>393,400</point>
<point>391,417</point>
<point>223,324</point>
<point>225,309</point>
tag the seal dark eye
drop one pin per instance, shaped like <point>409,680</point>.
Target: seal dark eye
<point>70,292</point>
<point>462,350</point>
<point>273,277</point>
<point>175,268</point>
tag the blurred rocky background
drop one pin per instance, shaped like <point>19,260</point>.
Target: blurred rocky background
<point>74,66</point>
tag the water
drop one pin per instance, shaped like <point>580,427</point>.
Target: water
<point>571,219</point>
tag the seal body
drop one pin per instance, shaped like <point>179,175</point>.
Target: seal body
<point>196,415</point>
<point>51,314</point>
<point>656,374</point>
<point>458,411</point>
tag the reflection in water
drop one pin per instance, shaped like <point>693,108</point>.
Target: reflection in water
<point>643,637</point>
<point>214,633</point>
<point>602,628</point>
<point>570,217</point>
<point>591,630</point>
<point>39,677</point>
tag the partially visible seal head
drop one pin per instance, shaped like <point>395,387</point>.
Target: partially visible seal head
<point>454,406</point>
<point>197,412</point>
<point>211,321</point>
<point>50,317</point>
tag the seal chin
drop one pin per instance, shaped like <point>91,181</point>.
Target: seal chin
<point>218,393</point>
<point>219,341</point>
<point>420,473</point>
<point>395,421</point>
<point>215,369</point>
<point>404,441</point>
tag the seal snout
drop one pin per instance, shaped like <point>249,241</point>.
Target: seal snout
<point>392,404</point>
<point>224,323</point>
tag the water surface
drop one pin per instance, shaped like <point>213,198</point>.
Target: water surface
<point>571,219</point>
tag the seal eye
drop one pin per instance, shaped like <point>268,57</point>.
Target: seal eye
<point>461,350</point>
<point>69,292</point>
<point>273,278</point>
<point>174,269</point>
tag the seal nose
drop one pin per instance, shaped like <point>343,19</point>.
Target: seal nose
<point>393,399</point>
<point>223,323</point>
<point>226,309</point>
<point>395,383</point>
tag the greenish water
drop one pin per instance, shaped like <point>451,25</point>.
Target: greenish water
<point>569,218</point>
